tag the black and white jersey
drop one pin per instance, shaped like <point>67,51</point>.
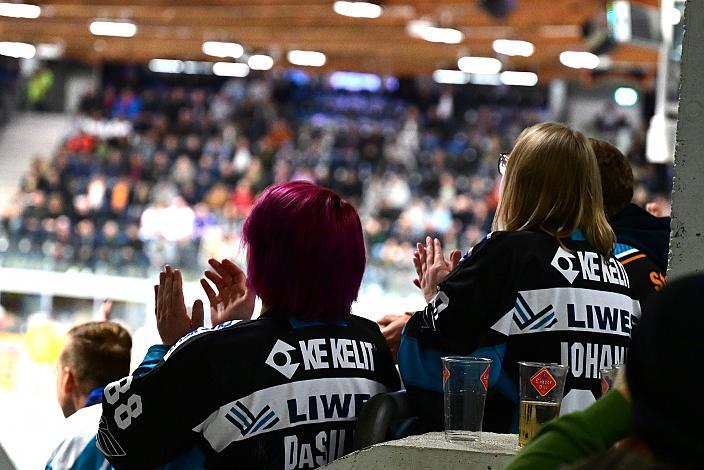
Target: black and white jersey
<point>267,393</point>
<point>521,296</point>
<point>645,276</point>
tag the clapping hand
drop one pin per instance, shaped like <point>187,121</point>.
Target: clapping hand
<point>233,301</point>
<point>432,267</point>
<point>172,320</point>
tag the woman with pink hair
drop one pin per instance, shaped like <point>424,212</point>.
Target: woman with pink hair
<point>280,391</point>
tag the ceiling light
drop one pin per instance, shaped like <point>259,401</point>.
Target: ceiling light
<point>123,29</point>
<point>484,79</point>
<point>518,78</point>
<point>451,77</point>
<point>260,62</point>
<point>514,48</point>
<point>19,10</point>
<point>443,35</point>
<point>50,51</point>
<point>625,96</point>
<point>18,50</point>
<point>579,60</point>
<point>230,69</point>
<point>166,66</point>
<point>424,29</point>
<point>222,49</point>
<point>306,58</point>
<point>357,9</point>
<point>481,65</point>
<point>415,27</point>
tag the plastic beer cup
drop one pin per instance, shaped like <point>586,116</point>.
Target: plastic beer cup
<point>465,382</point>
<point>542,387</point>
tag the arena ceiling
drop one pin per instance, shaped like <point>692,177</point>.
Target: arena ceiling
<point>177,28</point>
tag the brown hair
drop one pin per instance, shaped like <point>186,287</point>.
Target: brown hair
<point>98,353</point>
<point>552,184</point>
<point>616,176</point>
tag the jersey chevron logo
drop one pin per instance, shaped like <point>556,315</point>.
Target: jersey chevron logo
<point>242,417</point>
<point>525,317</point>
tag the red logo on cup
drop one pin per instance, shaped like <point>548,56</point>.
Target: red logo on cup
<point>485,378</point>
<point>604,386</point>
<point>543,382</point>
<point>445,374</point>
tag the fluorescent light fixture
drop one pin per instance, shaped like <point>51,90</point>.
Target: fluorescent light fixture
<point>423,29</point>
<point>306,58</point>
<point>354,81</point>
<point>122,29</point>
<point>18,50</point>
<point>484,79</point>
<point>451,77</point>
<point>166,66</point>
<point>20,10</point>
<point>518,78</point>
<point>415,27</point>
<point>230,69</point>
<point>579,60</point>
<point>49,51</point>
<point>222,49</point>
<point>625,96</point>
<point>357,9</point>
<point>481,65</point>
<point>443,35</point>
<point>260,62</point>
<point>514,48</point>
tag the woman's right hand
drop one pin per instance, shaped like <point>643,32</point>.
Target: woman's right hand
<point>432,267</point>
<point>232,301</point>
<point>172,320</point>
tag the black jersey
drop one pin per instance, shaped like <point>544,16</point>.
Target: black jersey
<point>267,393</point>
<point>521,296</point>
<point>645,275</point>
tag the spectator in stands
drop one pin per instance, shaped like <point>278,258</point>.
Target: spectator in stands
<point>534,290</point>
<point>95,354</point>
<point>256,132</point>
<point>127,105</point>
<point>655,421</point>
<point>641,238</point>
<point>281,391</point>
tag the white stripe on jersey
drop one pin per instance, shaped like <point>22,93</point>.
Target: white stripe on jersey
<point>626,253</point>
<point>569,309</point>
<point>286,406</point>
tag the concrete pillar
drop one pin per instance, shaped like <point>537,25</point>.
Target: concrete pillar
<point>687,237</point>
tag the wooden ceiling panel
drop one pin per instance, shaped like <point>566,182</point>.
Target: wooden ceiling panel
<point>176,29</point>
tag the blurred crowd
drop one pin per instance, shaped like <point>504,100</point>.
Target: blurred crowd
<point>176,183</point>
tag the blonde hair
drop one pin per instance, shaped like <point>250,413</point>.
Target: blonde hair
<point>552,184</point>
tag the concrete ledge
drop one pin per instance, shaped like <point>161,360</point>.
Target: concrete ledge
<point>432,451</point>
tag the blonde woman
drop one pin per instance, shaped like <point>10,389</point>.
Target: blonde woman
<point>542,287</point>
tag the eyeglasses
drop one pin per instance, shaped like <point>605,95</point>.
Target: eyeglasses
<point>503,161</point>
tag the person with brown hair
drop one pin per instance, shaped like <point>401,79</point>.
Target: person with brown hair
<point>641,238</point>
<point>543,287</point>
<point>95,354</point>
